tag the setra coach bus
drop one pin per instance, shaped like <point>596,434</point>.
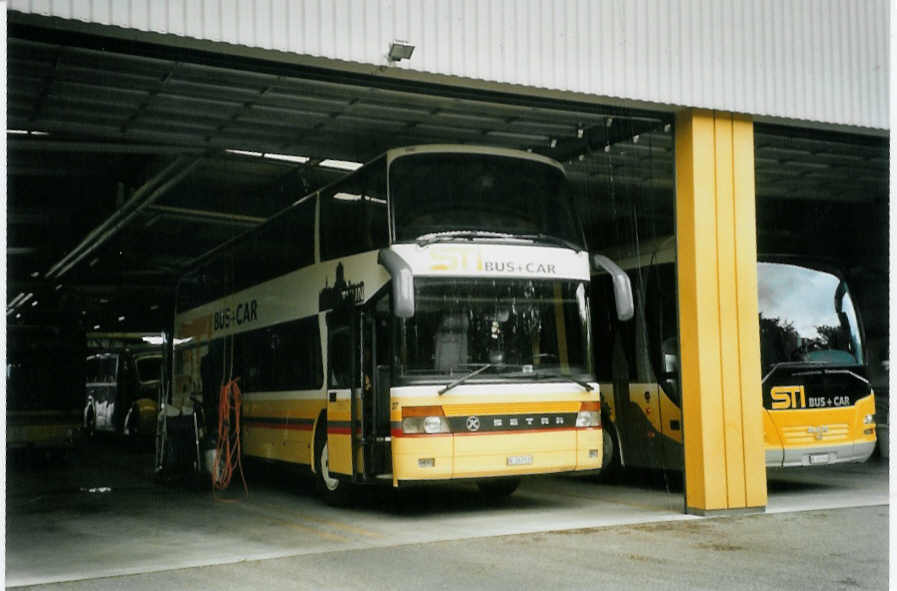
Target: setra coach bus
<point>425,318</point>
<point>818,404</point>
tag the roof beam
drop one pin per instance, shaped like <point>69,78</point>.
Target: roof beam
<point>143,197</point>
<point>205,216</point>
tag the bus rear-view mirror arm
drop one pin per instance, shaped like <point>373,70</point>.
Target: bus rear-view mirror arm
<point>402,282</point>
<point>622,286</point>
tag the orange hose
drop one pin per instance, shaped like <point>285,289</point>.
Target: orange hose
<point>227,452</point>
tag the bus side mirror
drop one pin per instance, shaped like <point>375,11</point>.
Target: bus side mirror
<point>402,282</point>
<point>622,286</point>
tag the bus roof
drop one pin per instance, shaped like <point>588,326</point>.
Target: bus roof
<point>471,149</point>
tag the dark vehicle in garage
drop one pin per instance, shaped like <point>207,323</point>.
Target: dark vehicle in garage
<point>43,404</point>
<point>122,392</point>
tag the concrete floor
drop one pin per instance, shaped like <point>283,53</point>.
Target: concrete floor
<point>101,523</point>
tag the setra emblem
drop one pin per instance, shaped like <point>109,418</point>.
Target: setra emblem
<point>473,423</point>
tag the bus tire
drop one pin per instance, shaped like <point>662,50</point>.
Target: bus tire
<point>610,463</point>
<point>333,491</point>
<point>132,423</point>
<point>498,488</point>
<point>90,424</point>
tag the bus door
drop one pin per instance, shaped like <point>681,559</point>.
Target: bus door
<point>373,406</point>
<point>663,346</point>
<point>343,385</point>
<point>635,396</point>
<point>358,395</point>
<point>654,418</point>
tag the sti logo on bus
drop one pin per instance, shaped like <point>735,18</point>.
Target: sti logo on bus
<point>243,313</point>
<point>460,259</point>
<point>785,397</point>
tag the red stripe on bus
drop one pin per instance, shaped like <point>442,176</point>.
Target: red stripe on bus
<point>290,426</point>
<point>339,430</point>
<point>516,431</point>
<point>400,433</point>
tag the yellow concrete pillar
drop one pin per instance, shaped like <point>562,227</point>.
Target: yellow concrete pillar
<point>718,320</point>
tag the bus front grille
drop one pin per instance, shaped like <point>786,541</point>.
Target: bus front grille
<point>810,434</point>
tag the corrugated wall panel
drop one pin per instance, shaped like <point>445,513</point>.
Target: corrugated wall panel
<point>822,60</point>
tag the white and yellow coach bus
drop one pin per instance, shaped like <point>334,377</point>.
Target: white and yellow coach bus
<point>425,318</point>
<point>818,404</point>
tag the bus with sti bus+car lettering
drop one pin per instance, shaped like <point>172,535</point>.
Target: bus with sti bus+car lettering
<point>818,404</point>
<point>424,319</point>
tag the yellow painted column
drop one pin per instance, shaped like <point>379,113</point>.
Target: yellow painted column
<point>718,320</point>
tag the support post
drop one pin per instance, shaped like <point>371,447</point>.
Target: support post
<point>725,467</point>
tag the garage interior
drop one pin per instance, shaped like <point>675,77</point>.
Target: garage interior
<point>129,160</point>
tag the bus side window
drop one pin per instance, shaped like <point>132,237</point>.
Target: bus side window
<point>376,219</point>
<point>339,356</point>
<point>353,213</point>
<point>663,328</point>
<point>281,245</point>
<point>627,330</point>
<point>643,371</point>
<point>282,357</point>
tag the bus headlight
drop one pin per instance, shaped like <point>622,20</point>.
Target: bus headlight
<point>424,419</point>
<point>425,425</point>
<point>589,415</point>
<point>868,419</point>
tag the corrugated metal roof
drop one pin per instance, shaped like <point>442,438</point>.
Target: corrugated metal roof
<point>825,61</point>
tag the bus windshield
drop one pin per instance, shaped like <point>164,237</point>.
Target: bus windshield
<point>806,315</point>
<point>494,195</point>
<point>521,328</point>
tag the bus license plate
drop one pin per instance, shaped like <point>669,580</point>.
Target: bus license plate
<point>520,460</point>
<point>819,459</point>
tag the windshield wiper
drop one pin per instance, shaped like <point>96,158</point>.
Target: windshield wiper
<point>586,386</point>
<point>543,237</point>
<point>425,239</point>
<point>464,378</point>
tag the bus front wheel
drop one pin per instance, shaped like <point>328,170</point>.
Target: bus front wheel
<point>610,462</point>
<point>334,491</point>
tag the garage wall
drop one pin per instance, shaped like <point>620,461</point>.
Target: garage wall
<point>821,60</point>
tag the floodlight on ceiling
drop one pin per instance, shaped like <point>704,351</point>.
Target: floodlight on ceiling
<point>287,158</point>
<point>400,50</point>
<point>244,153</point>
<point>340,164</point>
<point>25,132</point>
<point>269,155</point>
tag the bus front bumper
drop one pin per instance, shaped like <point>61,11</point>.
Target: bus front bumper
<point>819,455</point>
<point>495,455</point>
